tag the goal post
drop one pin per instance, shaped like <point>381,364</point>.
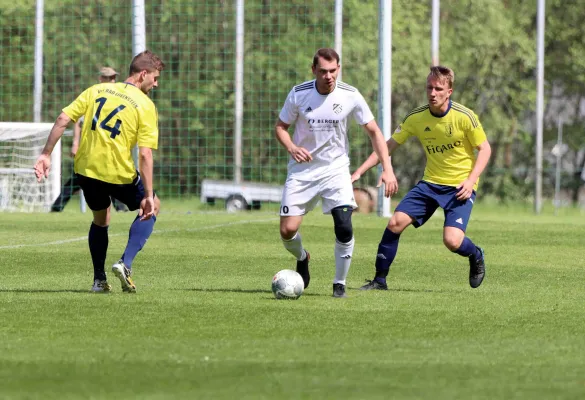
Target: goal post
<point>20,145</point>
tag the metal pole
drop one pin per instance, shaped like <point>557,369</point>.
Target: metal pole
<point>435,32</point>
<point>239,91</point>
<point>339,30</point>
<point>384,88</point>
<point>38,77</point>
<point>558,167</point>
<point>138,27</point>
<point>539,106</point>
<point>138,44</point>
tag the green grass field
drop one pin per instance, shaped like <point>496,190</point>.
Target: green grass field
<point>204,323</point>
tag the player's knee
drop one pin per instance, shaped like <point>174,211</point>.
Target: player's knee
<point>342,224</point>
<point>452,242</point>
<point>398,222</point>
<point>101,217</point>
<point>288,229</point>
<point>393,224</point>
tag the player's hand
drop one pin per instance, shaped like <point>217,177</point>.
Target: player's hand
<point>146,210</point>
<point>300,154</point>
<point>355,176</point>
<point>390,183</point>
<point>465,190</point>
<point>42,167</point>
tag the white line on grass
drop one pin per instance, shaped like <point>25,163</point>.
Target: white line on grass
<point>158,231</point>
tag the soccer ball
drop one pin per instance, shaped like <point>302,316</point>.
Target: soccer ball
<point>287,284</point>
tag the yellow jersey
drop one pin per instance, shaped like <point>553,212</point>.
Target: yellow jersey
<point>118,116</point>
<point>449,141</point>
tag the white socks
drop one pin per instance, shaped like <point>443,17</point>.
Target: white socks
<point>295,247</point>
<point>343,253</point>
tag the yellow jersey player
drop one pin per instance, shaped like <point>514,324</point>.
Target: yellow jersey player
<point>118,117</point>
<point>449,133</point>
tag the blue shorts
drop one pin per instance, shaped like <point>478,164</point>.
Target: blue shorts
<point>98,193</point>
<point>422,200</point>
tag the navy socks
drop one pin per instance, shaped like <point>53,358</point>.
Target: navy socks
<point>468,249</point>
<point>139,233</point>
<point>386,252</point>
<point>98,247</point>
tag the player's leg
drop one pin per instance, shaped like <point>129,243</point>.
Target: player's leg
<point>344,244</point>
<point>131,195</point>
<point>139,233</point>
<point>118,205</point>
<point>387,249</point>
<point>99,202</point>
<point>67,190</point>
<point>298,198</point>
<point>457,215</point>
<point>337,195</point>
<point>415,208</point>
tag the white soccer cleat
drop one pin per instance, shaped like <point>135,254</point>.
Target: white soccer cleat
<point>100,286</point>
<point>123,274</point>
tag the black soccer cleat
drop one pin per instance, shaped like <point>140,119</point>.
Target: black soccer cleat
<point>303,269</point>
<point>476,269</point>
<point>374,285</point>
<point>339,290</point>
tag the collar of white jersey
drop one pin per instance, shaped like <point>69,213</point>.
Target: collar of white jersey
<point>327,94</point>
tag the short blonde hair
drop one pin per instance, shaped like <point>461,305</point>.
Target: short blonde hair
<point>442,73</point>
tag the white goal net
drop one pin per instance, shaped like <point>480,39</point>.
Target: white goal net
<point>20,145</point>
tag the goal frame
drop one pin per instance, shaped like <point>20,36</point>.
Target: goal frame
<point>18,130</point>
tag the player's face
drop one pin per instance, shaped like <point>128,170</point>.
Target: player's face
<point>326,74</point>
<point>149,80</point>
<point>438,93</point>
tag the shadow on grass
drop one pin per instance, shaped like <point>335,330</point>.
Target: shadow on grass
<point>414,290</point>
<point>44,291</point>
<point>243,291</point>
<point>390,289</point>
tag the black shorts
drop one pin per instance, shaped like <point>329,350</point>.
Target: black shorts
<point>98,193</point>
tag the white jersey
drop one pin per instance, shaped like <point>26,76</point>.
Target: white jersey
<point>321,122</point>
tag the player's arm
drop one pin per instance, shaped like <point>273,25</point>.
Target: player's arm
<point>43,163</point>
<point>477,138</point>
<point>299,154</point>
<point>381,152</point>
<point>147,141</point>
<point>484,152</point>
<point>146,170</point>
<point>146,164</point>
<point>373,160</point>
<point>76,137</point>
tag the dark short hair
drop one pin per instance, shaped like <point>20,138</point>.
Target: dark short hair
<point>326,53</point>
<point>443,74</point>
<point>146,60</point>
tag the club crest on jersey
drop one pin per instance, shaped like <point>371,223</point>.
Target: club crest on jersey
<point>449,130</point>
<point>337,108</point>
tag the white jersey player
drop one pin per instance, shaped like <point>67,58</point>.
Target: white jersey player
<point>319,164</point>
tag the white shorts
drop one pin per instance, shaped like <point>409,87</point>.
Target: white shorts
<point>300,197</point>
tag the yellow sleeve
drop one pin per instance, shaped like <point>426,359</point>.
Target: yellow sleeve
<point>79,106</point>
<point>148,127</point>
<point>475,134</point>
<point>401,133</point>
